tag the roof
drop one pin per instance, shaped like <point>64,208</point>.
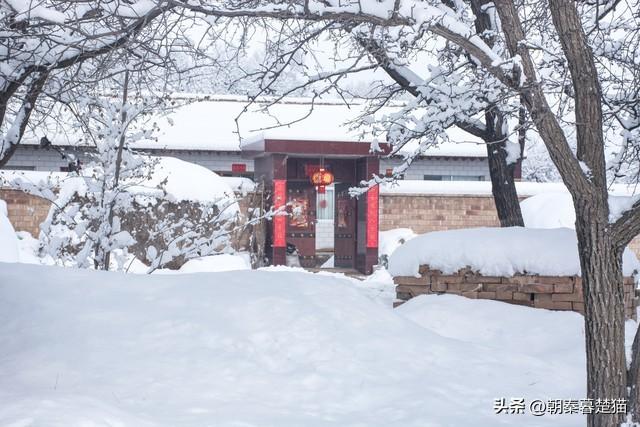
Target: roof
<point>223,123</point>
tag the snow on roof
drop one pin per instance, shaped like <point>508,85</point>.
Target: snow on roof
<point>416,187</point>
<point>497,252</point>
<point>209,124</point>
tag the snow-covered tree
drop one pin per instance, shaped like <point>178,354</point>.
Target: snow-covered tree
<point>572,66</point>
<point>84,225</point>
<point>121,204</point>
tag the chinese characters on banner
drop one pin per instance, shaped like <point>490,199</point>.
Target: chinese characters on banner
<point>372,216</point>
<point>279,221</point>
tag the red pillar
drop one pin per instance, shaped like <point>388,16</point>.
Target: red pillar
<point>279,222</point>
<point>372,216</point>
<point>372,228</point>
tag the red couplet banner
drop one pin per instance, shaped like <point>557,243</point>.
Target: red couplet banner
<point>372,216</point>
<point>279,221</point>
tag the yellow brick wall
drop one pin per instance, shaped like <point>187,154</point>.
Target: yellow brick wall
<point>425,213</point>
<point>26,212</point>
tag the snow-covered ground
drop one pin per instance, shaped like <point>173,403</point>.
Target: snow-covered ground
<point>273,347</point>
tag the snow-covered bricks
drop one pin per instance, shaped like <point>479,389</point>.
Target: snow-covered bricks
<point>537,268</point>
<point>550,292</point>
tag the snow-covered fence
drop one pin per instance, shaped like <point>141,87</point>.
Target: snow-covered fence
<point>549,292</point>
<point>527,266</point>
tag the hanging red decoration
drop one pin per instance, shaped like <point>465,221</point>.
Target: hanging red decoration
<point>322,178</point>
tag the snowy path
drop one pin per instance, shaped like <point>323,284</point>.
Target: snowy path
<point>268,348</point>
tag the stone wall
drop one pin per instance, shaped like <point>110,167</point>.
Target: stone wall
<point>550,292</point>
<point>425,213</point>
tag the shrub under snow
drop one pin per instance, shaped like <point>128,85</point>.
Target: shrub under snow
<point>165,211</point>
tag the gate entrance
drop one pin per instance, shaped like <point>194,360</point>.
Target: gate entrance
<point>284,167</point>
<point>344,227</point>
<point>301,224</point>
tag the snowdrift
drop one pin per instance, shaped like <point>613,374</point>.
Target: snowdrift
<point>252,348</point>
<point>555,209</point>
<point>8,238</point>
<point>497,252</point>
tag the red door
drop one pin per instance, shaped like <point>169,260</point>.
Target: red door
<point>301,222</point>
<point>344,227</point>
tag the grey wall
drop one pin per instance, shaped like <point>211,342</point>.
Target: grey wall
<point>50,160</point>
<point>440,166</point>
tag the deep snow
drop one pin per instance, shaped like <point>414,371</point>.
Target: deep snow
<point>268,348</point>
<point>8,239</point>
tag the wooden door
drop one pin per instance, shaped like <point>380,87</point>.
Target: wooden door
<point>344,227</point>
<point>301,222</point>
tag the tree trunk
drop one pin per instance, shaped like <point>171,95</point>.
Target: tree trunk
<point>503,184</point>
<point>503,187</point>
<point>601,263</point>
<point>633,379</point>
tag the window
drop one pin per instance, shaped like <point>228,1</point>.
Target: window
<point>454,177</point>
<point>325,204</point>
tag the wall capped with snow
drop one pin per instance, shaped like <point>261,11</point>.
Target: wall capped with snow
<point>497,252</point>
<point>535,267</point>
<point>548,292</point>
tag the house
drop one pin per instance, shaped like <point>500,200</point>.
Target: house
<point>204,131</point>
<point>217,132</point>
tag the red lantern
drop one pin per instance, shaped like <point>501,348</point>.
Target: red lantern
<point>321,179</point>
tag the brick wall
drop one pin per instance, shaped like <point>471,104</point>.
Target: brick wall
<point>550,292</point>
<point>425,213</point>
<point>26,212</point>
